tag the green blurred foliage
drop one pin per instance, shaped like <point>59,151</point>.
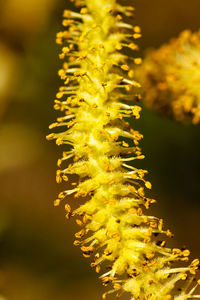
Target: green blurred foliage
<point>37,258</point>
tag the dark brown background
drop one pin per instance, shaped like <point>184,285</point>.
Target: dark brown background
<point>37,258</point>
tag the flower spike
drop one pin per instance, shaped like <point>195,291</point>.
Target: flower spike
<point>115,229</point>
<point>170,77</point>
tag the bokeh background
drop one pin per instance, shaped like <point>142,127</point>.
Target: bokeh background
<point>37,258</point>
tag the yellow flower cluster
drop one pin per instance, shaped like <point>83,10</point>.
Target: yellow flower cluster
<point>170,77</point>
<point>115,228</point>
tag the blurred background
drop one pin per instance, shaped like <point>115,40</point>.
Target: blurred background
<point>37,258</point>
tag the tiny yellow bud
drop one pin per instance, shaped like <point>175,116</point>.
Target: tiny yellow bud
<point>57,202</point>
<point>138,61</point>
<point>84,10</point>
<point>59,95</point>
<point>148,184</point>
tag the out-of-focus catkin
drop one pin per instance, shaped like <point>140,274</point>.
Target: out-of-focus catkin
<point>94,100</point>
<point>170,77</point>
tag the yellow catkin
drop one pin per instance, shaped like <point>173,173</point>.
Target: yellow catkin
<point>170,77</point>
<point>114,228</point>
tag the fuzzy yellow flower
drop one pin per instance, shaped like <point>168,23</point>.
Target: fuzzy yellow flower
<point>115,229</point>
<point>170,77</point>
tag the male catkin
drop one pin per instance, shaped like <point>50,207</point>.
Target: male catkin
<point>170,77</point>
<point>93,100</point>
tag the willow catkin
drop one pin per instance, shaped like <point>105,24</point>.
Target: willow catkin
<point>94,100</point>
<point>170,77</point>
